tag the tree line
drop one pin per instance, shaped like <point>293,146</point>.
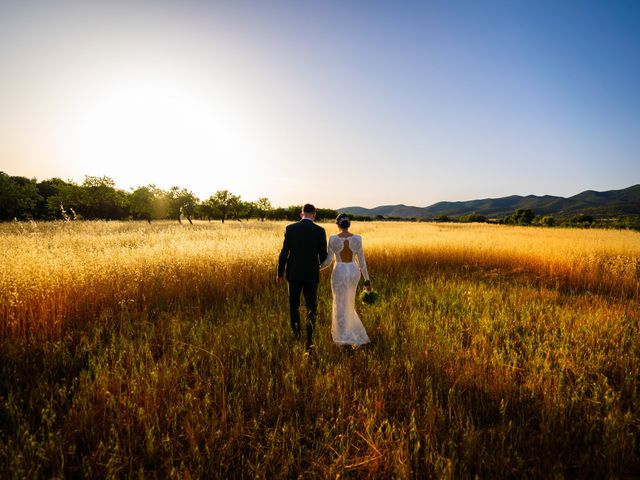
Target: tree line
<point>527,217</point>
<point>98,198</point>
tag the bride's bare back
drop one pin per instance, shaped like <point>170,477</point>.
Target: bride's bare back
<point>346,255</point>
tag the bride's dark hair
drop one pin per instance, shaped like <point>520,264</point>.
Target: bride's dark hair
<point>343,221</point>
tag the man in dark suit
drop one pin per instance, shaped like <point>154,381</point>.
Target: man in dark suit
<point>303,250</point>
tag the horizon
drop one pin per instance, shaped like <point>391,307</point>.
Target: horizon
<point>494,198</point>
<point>385,104</point>
<point>300,203</point>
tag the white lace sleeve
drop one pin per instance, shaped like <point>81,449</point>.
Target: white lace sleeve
<point>360,257</point>
<point>330,254</point>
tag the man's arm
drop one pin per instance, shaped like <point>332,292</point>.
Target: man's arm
<point>322,250</point>
<point>284,255</point>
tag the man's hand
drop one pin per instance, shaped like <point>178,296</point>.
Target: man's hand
<point>279,281</point>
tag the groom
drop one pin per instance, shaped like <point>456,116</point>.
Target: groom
<point>303,250</point>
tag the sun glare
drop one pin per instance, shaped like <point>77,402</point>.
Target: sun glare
<point>144,128</point>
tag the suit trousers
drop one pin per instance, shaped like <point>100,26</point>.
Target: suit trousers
<point>310,292</point>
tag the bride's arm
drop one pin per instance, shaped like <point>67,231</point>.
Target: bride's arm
<point>329,258</point>
<point>361,261</point>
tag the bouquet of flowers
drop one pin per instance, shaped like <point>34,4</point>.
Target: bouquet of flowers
<point>368,296</point>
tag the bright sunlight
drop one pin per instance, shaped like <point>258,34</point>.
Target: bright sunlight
<point>145,121</point>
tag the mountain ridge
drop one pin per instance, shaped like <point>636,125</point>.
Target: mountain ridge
<point>590,202</point>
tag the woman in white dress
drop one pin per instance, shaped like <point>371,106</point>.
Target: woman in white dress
<point>346,327</point>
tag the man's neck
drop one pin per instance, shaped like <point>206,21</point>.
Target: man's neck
<point>307,218</point>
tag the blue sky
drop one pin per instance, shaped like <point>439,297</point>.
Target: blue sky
<point>339,103</point>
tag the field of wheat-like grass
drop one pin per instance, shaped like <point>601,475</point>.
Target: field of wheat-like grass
<point>164,351</point>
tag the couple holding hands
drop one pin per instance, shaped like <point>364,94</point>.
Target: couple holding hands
<point>304,253</point>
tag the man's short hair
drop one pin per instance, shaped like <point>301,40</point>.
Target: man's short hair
<point>308,208</point>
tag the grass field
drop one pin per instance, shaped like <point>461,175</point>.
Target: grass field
<point>135,350</point>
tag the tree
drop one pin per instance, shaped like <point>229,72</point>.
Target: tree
<point>141,203</point>
<point>326,213</point>
<point>249,209</point>
<point>52,192</point>
<point>293,212</point>
<point>181,203</point>
<point>237,208</point>
<point>522,216</point>
<point>63,194</point>
<point>547,221</point>
<point>100,199</point>
<point>187,210</point>
<point>263,207</point>
<point>224,202</point>
<point>207,209</point>
<point>18,197</point>
<point>581,219</point>
<point>473,218</point>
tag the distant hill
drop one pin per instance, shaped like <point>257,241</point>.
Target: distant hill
<point>386,211</point>
<point>611,203</point>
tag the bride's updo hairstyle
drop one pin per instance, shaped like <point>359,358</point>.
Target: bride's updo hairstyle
<point>343,221</point>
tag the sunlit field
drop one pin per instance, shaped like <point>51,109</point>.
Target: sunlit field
<point>164,350</point>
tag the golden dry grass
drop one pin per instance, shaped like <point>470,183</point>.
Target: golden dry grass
<point>164,351</point>
<point>53,272</point>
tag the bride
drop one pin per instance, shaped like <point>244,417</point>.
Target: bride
<point>346,327</point>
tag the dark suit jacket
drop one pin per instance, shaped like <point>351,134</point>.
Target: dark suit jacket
<point>303,250</point>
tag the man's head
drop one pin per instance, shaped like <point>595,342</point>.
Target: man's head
<point>308,211</point>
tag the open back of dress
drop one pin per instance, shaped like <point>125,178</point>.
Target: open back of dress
<point>346,255</point>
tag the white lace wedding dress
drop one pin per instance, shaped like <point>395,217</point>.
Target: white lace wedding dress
<point>346,327</point>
